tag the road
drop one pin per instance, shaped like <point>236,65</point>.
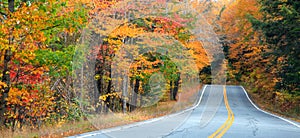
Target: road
<point>221,112</point>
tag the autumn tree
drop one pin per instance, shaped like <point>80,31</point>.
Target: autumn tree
<point>280,26</point>
<point>122,27</point>
<point>259,39</point>
<point>5,82</point>
<point>27,28</point>
<point>242,44</point>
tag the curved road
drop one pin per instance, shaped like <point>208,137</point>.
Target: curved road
<point>221,112</point>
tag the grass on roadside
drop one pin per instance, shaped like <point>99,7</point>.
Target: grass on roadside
<point>185,100</point>
<point>265,105</point>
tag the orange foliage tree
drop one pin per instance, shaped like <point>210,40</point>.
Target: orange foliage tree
<point>26,97</point>
<point>243,46</point>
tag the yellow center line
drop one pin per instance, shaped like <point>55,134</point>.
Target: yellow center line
<point>223,129</point>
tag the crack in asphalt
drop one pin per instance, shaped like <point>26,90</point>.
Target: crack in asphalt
<point>184,131</point>
<point>253,124</point>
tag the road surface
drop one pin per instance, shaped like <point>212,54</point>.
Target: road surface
<point>221,112</point>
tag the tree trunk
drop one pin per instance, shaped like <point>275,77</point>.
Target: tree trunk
<point>134,95</point>
<point>141,100</point>
<point>6,73</point>
<point>124,93</point>
<point>176,87</point>
<point>5,79</point>
<point>171,90</point>
<point>99,85</point>
<point>110,81</point>
<point>96,99</point>
<point>131,93</point>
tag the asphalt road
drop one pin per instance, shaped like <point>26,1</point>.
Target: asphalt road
<point>221,112</point>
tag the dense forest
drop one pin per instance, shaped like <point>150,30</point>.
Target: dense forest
<point>61,61</point>
<point>261,43</point>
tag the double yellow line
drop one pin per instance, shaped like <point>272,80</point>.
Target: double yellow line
<point>222,130</point>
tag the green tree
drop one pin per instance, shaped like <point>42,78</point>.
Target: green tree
<point>281,29</point>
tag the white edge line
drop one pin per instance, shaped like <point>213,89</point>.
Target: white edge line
<point>140,123</point>
<point>191,108</point>
<point>268,112</point>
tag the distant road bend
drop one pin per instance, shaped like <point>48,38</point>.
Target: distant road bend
<point>233,115</point>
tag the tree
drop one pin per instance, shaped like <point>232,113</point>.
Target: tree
<point>242,44</point>
<point>33,26</point>
<point>260,39</point>
<point>5,72</point>
<point>280,26</point>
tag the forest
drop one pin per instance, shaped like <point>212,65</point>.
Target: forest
<point>63,61</point>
